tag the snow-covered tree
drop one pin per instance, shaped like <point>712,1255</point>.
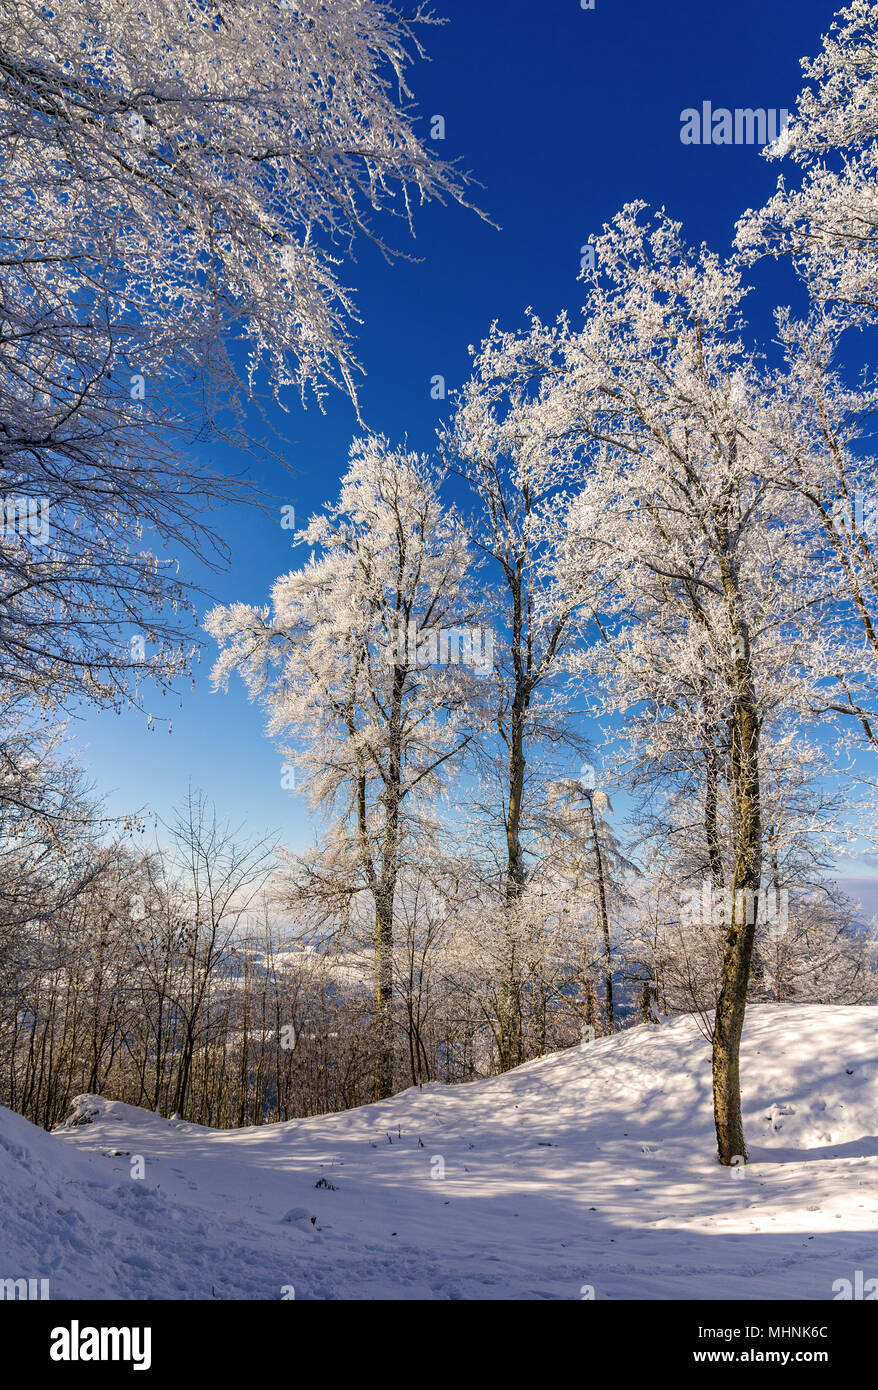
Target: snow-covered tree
<point>584,851</point>
<point>368,660</point>
<point>826,215</point>
<point>181,186</point>
<point>703,577</point>
<point>176,175</point>
<point>516,476</point>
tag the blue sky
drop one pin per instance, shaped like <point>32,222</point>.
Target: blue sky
<point>563,114</point>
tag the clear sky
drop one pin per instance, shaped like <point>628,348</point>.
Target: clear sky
<point>563,114</point>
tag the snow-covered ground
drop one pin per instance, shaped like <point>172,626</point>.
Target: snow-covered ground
<point>590,1168</point>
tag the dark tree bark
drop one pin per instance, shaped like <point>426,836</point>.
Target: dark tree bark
<point>729,1018</point>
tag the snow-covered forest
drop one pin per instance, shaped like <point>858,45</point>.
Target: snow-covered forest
<point>581,700</point>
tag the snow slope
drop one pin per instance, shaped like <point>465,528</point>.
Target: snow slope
<point>592,1167</point>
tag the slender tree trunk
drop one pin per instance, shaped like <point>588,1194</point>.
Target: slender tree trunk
<point>646,1001</point>
<point>382,1085</point>
<point>182,1093</point>
<point>589,1003</point>
<point>385,894</point>
<point>711,815</point>
<point>509,1040</point>
<point>729,1019</point>
<point>603,916</point>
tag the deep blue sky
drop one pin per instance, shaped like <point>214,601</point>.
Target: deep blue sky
<point>563,114</point>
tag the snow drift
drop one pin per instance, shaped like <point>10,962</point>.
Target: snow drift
<point>589,1172</point>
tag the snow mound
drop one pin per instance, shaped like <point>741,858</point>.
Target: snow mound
<point>590,1169</point>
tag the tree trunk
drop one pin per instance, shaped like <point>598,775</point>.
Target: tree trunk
<point>382,1083</point>
<point>603,916</point>
<point>646,1001</point>
<point>509,1042</point>
<point>729,1019</point>
<point>711,820</point>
